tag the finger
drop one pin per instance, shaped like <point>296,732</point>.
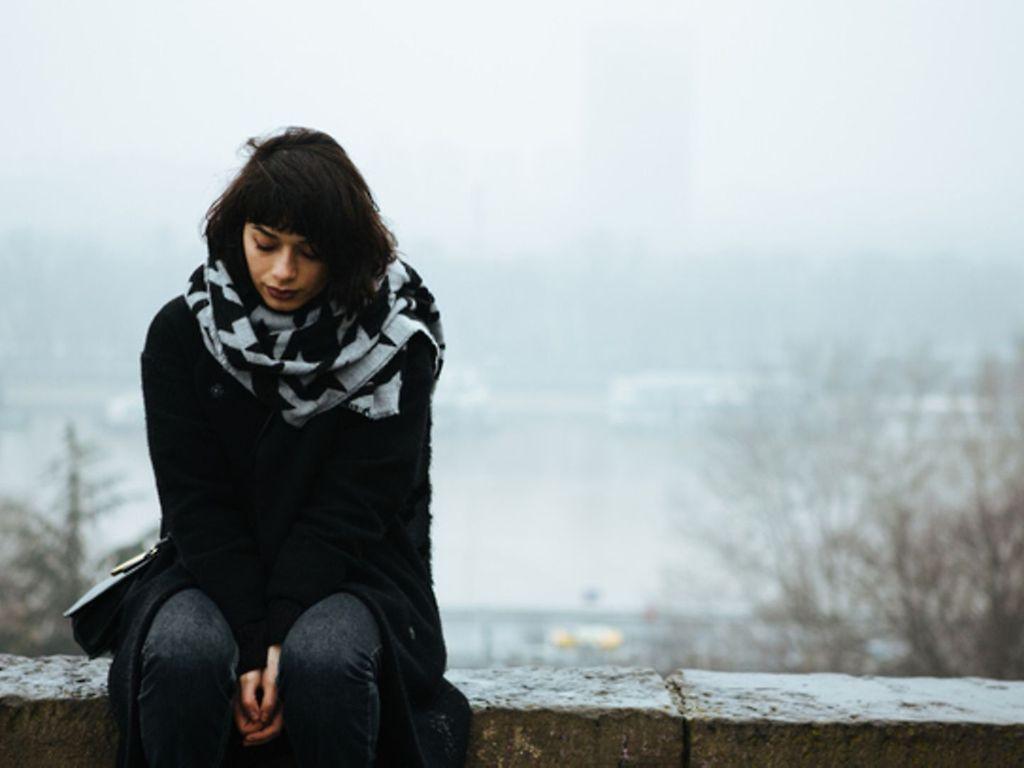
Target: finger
<point>274,715</point>
<point>245,725</point>
<point>242,721</point>
<point>262,737</point>
<point>274,726</point>
<point>251,707</point>
<point>266,734</point>
<point>269,703</point>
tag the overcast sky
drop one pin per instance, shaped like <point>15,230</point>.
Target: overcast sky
<point>500,130</point>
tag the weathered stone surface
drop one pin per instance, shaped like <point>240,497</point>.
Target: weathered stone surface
<point>54,712</point>
<point>834,719</point>
<point>591,716</point>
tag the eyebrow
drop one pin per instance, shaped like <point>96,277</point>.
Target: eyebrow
<point>268,233</point>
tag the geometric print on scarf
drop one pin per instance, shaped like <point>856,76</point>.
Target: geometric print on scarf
<point>319,356</point>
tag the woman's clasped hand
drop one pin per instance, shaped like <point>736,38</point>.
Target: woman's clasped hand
<point>261,720</point>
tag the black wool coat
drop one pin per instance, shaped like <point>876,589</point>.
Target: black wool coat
<point>268,519</point>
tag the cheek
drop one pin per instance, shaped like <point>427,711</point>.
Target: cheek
<point>318,276</point>
<point>250,256</point>
<point>254,266</point>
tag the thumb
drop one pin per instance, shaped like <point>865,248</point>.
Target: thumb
<point>269,694</point>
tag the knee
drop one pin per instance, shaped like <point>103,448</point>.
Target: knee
<point>335,640</point>
<point>190,636</point>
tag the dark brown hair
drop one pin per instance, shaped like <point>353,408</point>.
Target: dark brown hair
<point>301,181</point>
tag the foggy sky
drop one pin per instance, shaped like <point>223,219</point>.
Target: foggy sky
<point>506,130</point>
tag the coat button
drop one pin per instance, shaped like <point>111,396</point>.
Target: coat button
<point>412,632</point>
<point>217,390</point>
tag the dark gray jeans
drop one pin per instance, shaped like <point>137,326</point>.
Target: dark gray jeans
<point>327,684</point>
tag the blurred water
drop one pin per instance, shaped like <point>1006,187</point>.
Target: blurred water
<point>543,505</point>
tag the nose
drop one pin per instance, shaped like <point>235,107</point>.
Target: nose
<point>285,267</point>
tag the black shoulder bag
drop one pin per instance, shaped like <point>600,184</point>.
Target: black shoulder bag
<point>94,615</point>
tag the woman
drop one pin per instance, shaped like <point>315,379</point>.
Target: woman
<point>287,396</point>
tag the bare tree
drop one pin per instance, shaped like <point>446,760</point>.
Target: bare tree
<point>955,558</point>
<point>876,509</point>
<point>44,568</point>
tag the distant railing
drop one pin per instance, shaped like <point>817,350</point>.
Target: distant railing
<point>664,641</point>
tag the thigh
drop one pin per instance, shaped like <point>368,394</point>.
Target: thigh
<point>338,637</point>
<point>190,631</point>
<point>187,683</point>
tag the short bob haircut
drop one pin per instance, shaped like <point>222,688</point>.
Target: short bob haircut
<point>301,181</point>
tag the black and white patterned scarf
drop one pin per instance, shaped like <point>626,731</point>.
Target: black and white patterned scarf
<point>308,360</point>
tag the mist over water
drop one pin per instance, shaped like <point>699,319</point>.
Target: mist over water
<point>597,197</point>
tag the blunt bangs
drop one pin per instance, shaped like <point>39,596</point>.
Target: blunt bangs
<point>302,182</point>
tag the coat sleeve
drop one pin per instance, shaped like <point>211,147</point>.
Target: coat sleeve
<point>365,482</point>
<point>197,499</point>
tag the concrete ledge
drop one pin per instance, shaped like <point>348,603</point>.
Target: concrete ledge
<point>53,711</point>
<point>833,719</point>
<point>541,716</point>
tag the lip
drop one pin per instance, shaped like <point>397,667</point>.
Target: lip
<point>281,295</point>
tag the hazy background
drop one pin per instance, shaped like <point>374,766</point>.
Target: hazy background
<point>594,192</point>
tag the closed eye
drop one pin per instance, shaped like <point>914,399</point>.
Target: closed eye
<point>306,254</point>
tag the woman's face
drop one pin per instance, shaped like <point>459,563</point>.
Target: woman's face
<point>284,268</point>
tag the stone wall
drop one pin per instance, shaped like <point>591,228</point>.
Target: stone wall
<point>53,712</point>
